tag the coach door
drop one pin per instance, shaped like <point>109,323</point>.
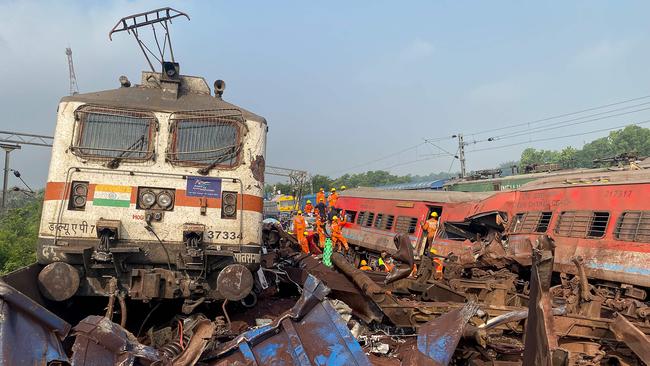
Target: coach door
<point>422,243</point>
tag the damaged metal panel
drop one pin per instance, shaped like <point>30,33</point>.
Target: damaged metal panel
<point>632,336</point>
<point>312,333</point>
<point>29,333</point>
<point>101,342</point>
<point>438,339</point>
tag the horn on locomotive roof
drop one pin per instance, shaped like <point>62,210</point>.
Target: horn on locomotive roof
<point>163,17</point>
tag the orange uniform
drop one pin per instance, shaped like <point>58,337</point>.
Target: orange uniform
<point>337,236</point>
<point>320,229</point>
<point>320,197</point>
<point>333,198</point>
<point>299,226</point>
<point>309,208</point>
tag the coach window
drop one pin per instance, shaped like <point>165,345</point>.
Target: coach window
<point>379,221</point>
<point>370,219</point>
<point>406,224</point>
<point>350,215</point>
<point>388,223</point>
<point>633,226</point>
<point>582,224</point>
<point>361,217</point>
<point>208,139</point>
<point>113,134</point>
<point>531,222</point>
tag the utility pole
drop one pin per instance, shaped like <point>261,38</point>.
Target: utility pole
<point>461,154</point>
<point>74,88</point>
<point>8,149</point>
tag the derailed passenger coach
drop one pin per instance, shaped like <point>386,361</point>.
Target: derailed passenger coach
<point>158,185</point>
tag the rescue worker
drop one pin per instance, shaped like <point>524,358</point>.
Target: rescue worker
<point>320,229</point>
<point>320,196</point>
<point>383,262</point>
<point>437,262</point>
<point>309,208</point>
<point>343,188</point>
<point>431,227</point>
<point>299,226</point>
<point>333,198</point>
<point>337,235</point>
<point>320,202</point>
<point>364,266</point>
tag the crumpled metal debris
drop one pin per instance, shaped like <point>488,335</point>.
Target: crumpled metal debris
<point>29,333</point>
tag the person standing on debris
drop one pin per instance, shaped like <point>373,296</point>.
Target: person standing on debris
<point>320,202</point>
<point>431,227</point>
<point>320,230</point>
<point>437,262</point>
<point>333,198</point>
<point>309,208</point>
<point>364,266</point>
<point>299,227</point>
<point>337,235</point>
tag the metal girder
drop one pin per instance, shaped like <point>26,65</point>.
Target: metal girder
<point>26,138</point>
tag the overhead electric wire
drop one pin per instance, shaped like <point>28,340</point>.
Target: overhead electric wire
<point>558,137</point>
<point>559,116</point>
<point>379,159</point>
<point>542,129</point>
<point>567,123</point>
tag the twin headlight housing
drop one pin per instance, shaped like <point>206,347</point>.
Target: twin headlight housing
<point>155,198</point>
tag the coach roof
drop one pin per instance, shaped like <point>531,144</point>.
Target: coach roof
<point>428,196</point>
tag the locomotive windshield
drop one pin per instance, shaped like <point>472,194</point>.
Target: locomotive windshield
<point>111,134</point>
<point>212,141</point>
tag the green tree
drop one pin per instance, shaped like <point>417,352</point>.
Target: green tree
<point>18,235</point>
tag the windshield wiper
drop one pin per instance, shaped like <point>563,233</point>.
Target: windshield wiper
<point>115,162</point>
<point>226,156</point>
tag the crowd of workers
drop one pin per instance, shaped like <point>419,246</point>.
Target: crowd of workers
<point>326,210</point>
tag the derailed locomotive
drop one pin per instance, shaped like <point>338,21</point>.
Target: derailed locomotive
<point>154,190</point>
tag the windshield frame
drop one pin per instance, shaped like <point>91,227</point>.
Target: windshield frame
<point>232,117</point>
<point>126,154</point>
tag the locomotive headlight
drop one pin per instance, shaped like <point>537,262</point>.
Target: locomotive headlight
<point>229,205</point>
<point>164,200</point>
<point>78,196</point>
<point>147,199</point>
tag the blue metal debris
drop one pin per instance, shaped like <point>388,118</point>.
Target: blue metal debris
<point>311,333</point>
<point>29,333</point>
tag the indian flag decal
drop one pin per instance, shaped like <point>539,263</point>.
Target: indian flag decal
<point>113,196</point>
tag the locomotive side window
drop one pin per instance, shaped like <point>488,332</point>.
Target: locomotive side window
<point>205,139</point>
<point>582,224</point>
<point>117,134</point>
<point>633,226</point>
<point>531,222</point>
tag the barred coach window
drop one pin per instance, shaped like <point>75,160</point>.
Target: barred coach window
<point>109,133</point>
<point>204,139</point>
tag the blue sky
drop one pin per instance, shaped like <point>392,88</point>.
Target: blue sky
<point>345,83</point>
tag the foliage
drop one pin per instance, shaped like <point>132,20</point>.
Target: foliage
<point>631,139</point>
<point>18,234</point>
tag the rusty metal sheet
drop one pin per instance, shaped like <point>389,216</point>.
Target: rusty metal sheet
<point>540,340</point>
<point>101,342</point>
<point>311,333</point>
<point>437,339</point>
<point>632,336</point>
<point>29,333</point>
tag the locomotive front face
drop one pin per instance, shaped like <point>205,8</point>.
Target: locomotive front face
<point>158,186</point>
